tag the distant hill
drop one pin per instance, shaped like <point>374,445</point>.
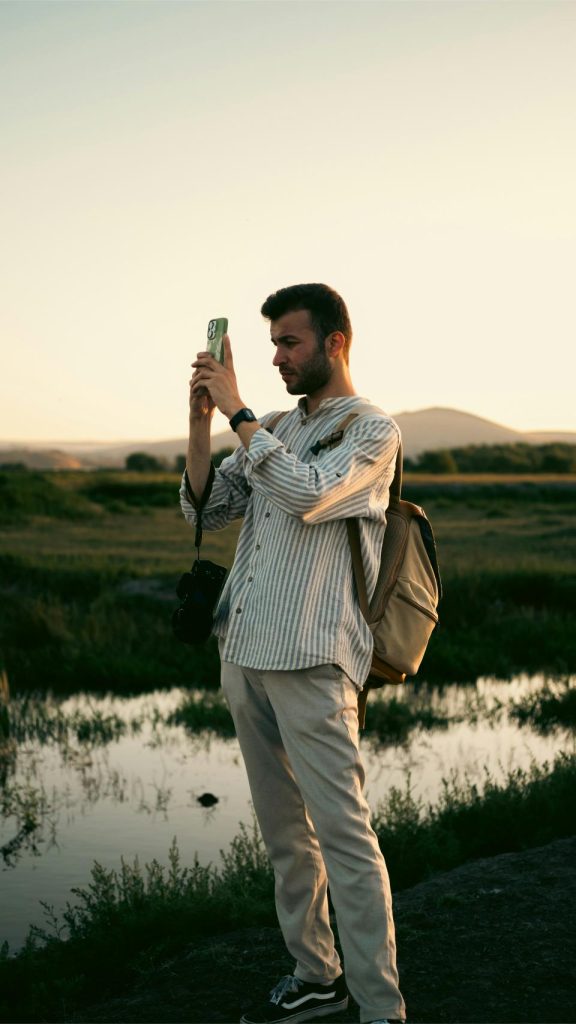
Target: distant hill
<point>428,429</point>
<point>423,430</point>
<point>42,458</point>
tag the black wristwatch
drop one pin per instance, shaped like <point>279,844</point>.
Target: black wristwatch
<point>242,416</point>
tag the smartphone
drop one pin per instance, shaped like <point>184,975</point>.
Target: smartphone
<point>214,343</point>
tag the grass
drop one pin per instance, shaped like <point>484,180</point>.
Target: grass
<point>23,494</point>
<point>39,718</point>
<point>204,711</point>
<point>530,808</point>
<point>548,709</point>
<point>501,622</point>
<point>389,720</point>
<point>126,918</point>
<point>394,719</point>
<point>73,495</point>
<point>74,629</point>
<point>129,918</point>
<point>67,627</point>
<point>26,805</point>
<point>88,601</point>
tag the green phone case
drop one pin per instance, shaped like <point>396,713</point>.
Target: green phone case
<point>216,331</point>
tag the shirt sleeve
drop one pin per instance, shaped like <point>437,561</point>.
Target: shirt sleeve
<point>229,496</point>
<point>341,484</point>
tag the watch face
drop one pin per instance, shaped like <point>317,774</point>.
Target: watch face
<point>242,416</point>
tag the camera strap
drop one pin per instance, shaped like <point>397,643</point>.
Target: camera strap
<point>199,504</point>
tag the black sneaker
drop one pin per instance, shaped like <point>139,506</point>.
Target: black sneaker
<point>293,999</point>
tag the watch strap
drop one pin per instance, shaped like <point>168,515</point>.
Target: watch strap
<point>242,416</point>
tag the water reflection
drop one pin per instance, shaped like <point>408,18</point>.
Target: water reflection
<point>87,779</point>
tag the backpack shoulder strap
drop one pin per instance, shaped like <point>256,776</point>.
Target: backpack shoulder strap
<point>396,485</point>
<point>353,532</point>
<point>352,528</point>
<point>337,436</point>
<point>275,421</point>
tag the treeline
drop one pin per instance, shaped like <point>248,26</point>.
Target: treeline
<point>481,458</point>
<point>142,462</point>
<point>497,458</point>
<point>474,458</point>
<point>136,462</point>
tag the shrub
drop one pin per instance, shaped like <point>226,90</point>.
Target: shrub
<point>529,808</point>
<point>142,462</point>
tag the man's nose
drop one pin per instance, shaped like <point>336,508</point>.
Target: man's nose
<point>278,359</point>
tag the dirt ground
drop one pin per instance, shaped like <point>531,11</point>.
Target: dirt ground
<point>492,941</point>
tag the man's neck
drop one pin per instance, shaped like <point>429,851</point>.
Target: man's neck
<point>344,389</point>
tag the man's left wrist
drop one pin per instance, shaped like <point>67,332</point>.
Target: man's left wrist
<point>233,409</point>
<point>243,415</point>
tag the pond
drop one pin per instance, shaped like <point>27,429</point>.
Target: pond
<point>105,777</point>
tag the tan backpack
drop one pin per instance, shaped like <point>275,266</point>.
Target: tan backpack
<point>403,610</point>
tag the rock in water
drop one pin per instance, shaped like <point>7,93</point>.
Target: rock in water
<point>207,799</point>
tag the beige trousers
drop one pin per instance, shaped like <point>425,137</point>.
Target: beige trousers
<point>298,732</point>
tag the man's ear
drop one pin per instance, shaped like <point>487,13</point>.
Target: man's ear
<point>335,343</point>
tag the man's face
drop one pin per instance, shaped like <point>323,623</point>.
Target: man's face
<point>304,366</point>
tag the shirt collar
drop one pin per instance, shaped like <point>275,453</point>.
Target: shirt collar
<point>342,402</point>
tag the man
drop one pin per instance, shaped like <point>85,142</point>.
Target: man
<point>295,649</point>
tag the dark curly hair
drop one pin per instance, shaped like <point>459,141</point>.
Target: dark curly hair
<point>327,309</point>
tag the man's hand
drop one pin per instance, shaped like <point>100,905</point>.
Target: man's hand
<point>201,405</point>
<point>214,385</point>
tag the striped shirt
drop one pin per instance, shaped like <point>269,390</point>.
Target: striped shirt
<point>289,601</point>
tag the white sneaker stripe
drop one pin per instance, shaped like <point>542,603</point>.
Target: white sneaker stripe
<point>303,999</point>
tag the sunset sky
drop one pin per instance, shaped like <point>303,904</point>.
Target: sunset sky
<point>164,163</point>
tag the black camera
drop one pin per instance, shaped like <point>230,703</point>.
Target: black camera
<point>199,591</point>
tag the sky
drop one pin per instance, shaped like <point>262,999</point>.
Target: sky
<point>165,162</point>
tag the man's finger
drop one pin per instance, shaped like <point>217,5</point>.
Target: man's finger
<point>202,359</point>
<point>228,360</point>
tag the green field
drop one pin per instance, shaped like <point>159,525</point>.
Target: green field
<point>89,562</point>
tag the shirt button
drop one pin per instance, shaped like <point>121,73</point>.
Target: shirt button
<point>250,578</point>
<point>257,547</point>
<point>267,515</point>
<point>238,610</point>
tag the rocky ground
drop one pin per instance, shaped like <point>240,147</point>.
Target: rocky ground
<point>492,941</point>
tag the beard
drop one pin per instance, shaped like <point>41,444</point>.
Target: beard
<point>310,377</point>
